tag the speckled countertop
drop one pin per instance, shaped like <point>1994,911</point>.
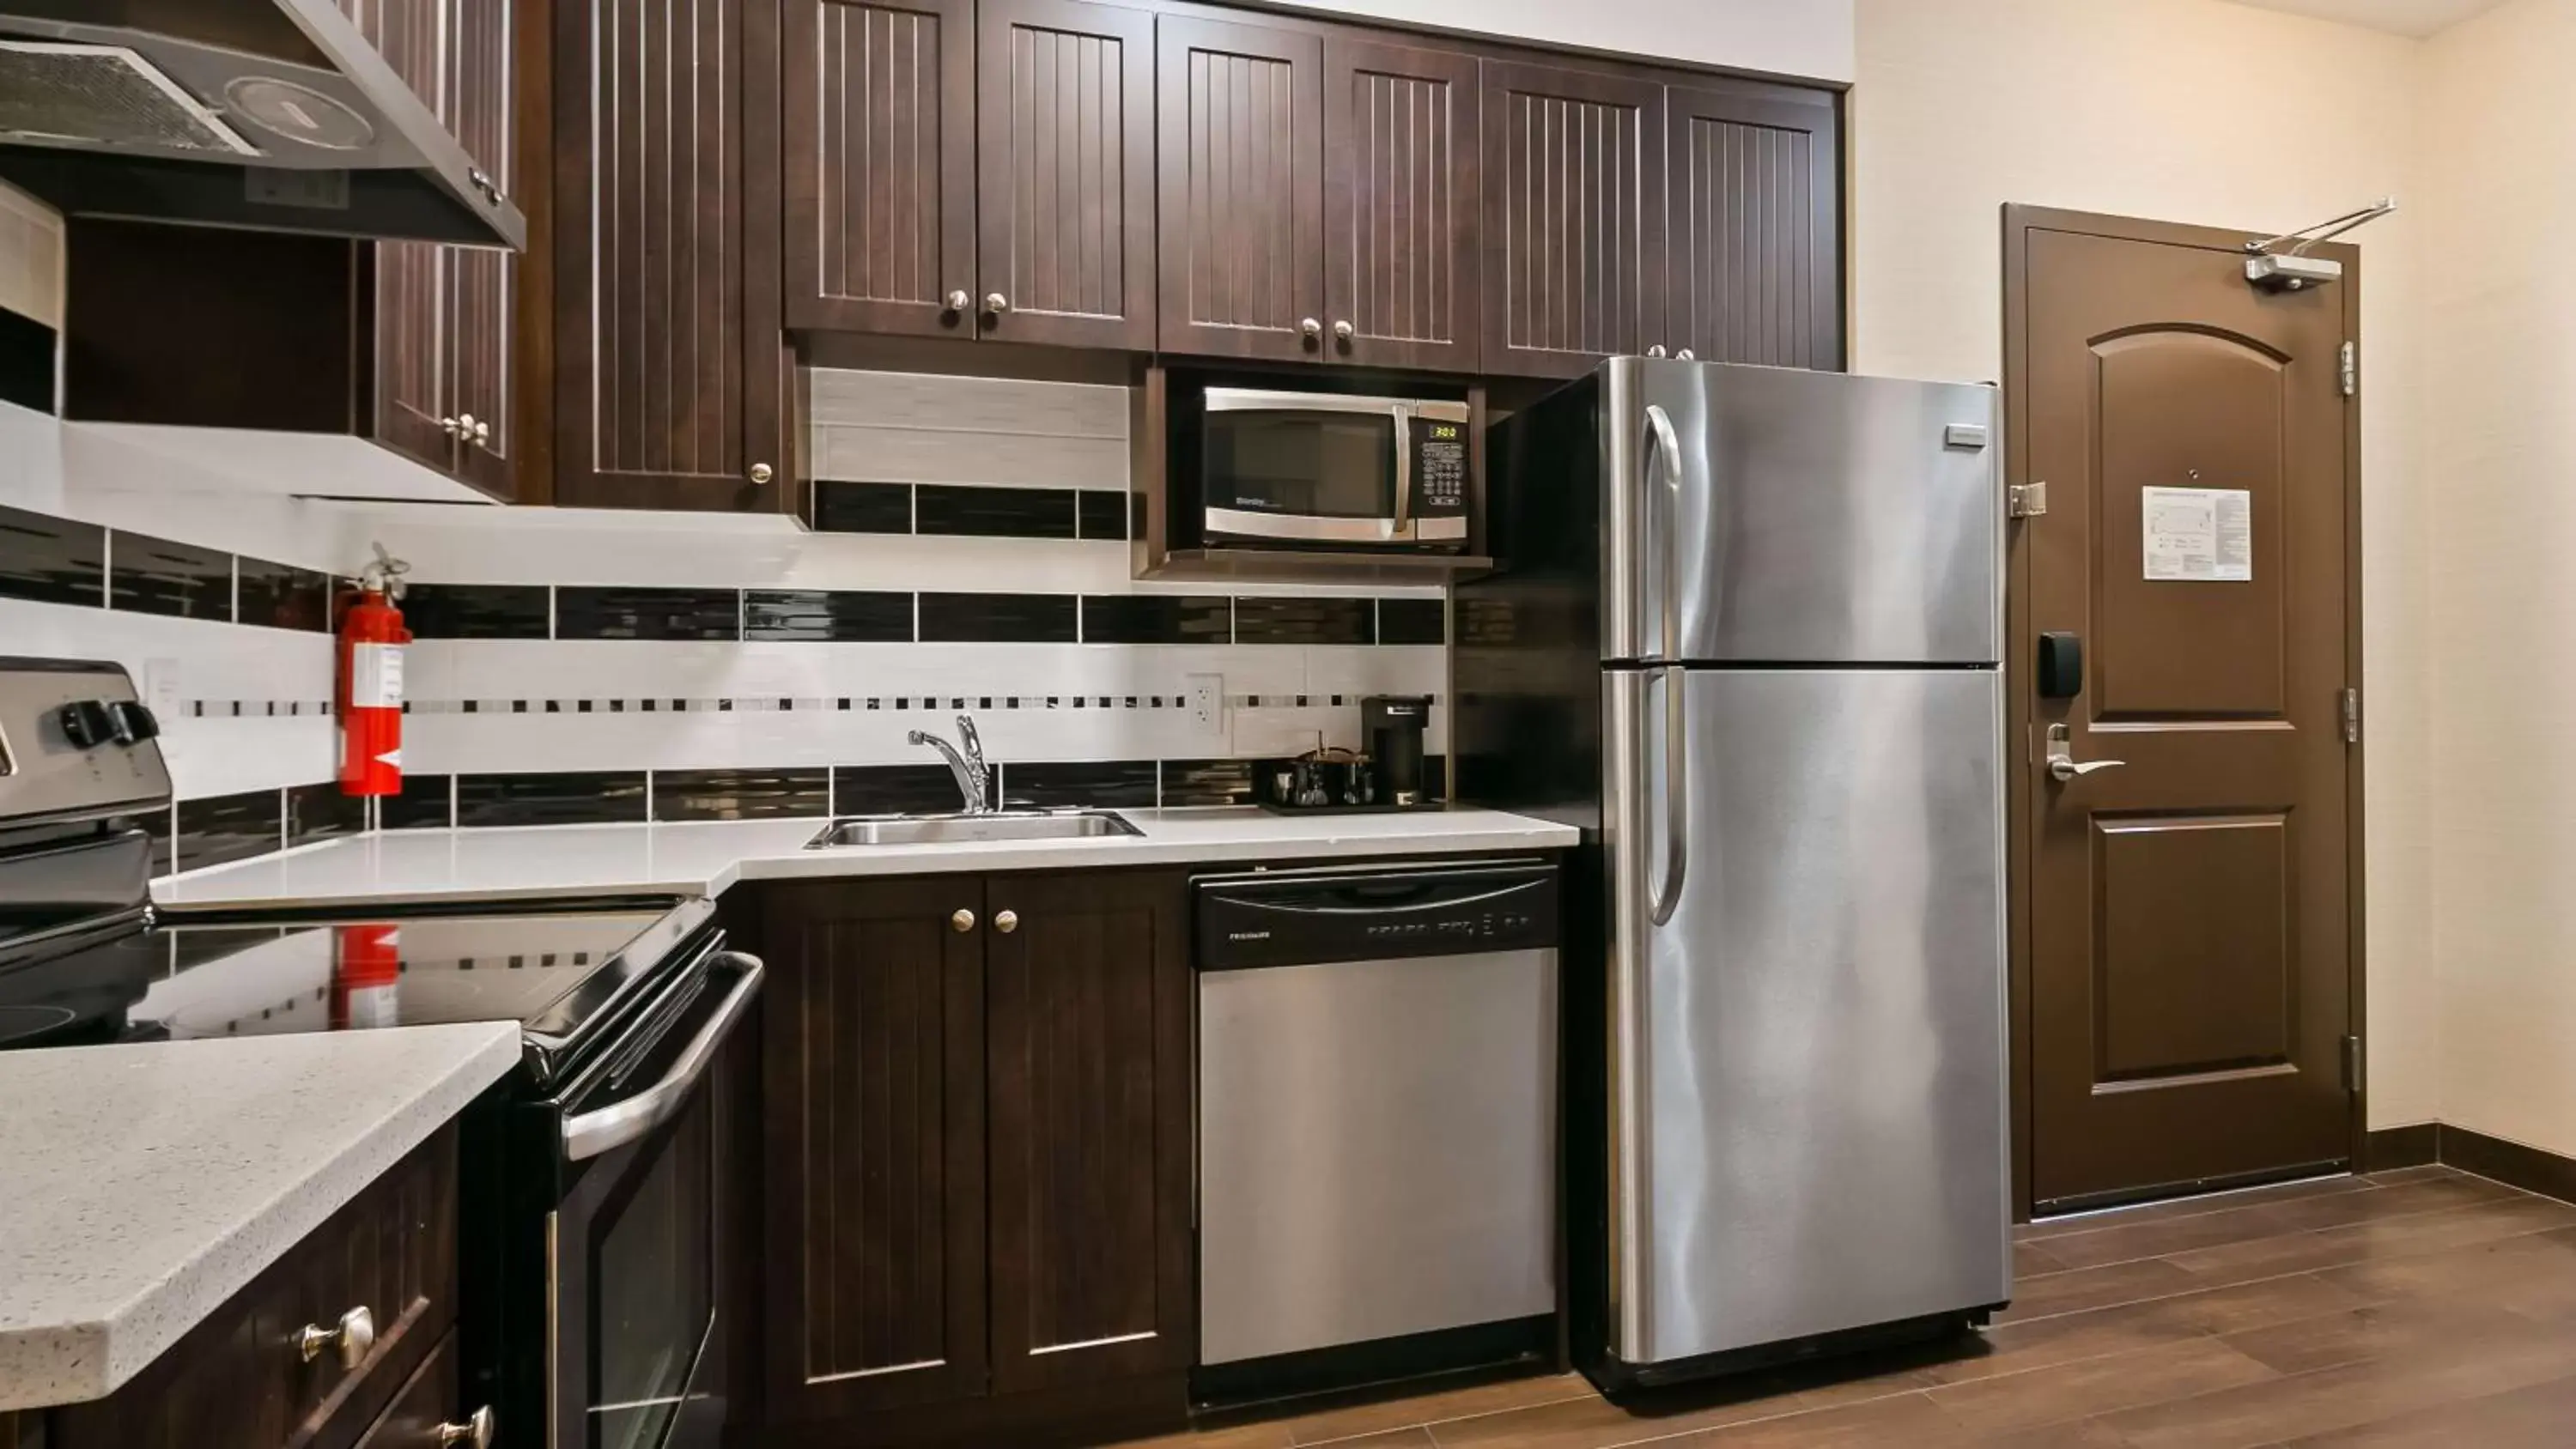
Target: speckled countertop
<point>141,1186</point>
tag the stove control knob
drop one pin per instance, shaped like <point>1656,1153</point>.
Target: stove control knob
<point>86,723</point>
<point>135,721</point>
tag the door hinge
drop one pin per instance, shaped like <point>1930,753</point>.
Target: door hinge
<point>2352,716</point>
<point>2351,371</point>
<point>2026,500</point>
<point>2352,1064</point>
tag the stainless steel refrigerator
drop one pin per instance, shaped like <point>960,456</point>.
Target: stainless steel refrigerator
<point>1745,632</point>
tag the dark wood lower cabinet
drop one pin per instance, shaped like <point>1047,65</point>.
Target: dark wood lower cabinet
<point>978,1105</point>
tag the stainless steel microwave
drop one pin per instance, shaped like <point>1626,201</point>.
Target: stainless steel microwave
<point>1333,470</point>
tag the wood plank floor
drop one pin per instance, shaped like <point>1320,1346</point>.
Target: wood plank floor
<point>2422,1306</point>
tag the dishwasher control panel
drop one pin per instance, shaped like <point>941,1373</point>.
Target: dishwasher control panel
<point>1301,917</point>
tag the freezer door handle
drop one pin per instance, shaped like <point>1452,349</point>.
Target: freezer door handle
<point>1662,444</point>
<point>1676,811</point>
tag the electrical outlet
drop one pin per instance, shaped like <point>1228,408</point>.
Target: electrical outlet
<point>1207,701</point>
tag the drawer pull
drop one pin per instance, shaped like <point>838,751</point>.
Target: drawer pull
<point>355,1335</point>
<point>474,1433</point>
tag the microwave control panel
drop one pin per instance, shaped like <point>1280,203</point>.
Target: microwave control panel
<point>1439,468</point>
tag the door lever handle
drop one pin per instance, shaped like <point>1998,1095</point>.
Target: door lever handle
<point>2061,757</point>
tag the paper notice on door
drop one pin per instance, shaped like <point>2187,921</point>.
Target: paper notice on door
<point>2200,535</point>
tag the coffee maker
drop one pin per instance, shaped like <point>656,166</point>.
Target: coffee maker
<point>1391,727</point>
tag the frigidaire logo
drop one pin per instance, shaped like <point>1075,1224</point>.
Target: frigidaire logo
<point>1247,935</point>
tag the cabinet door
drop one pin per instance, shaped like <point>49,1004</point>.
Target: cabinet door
<point>1242,189</point>
<point>878,161</point>
<point>1756,268</point>
<point>1064,101</point>
<point>1087,980</point>
<point>1401,162</point>
<point>483,286</point>
<point>1574,217</point>
<point>873,1077</point>
<point>669,388</point>
<point>414,412</point>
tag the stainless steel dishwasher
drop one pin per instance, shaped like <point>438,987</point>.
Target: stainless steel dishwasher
<point>1377,1110</point>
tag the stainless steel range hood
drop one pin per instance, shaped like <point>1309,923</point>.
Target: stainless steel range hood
<point>272,115</point>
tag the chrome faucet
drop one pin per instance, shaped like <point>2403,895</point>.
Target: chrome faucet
<point>967,765</point>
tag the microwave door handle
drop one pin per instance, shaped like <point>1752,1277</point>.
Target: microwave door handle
<point>1403,471</point>
<point>592,1133</point>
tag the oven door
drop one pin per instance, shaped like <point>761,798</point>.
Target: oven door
<point>1294,467</point>
<point>634,1250</point>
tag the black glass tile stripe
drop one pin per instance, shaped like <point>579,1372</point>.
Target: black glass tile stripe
<point>741,794</point>
<point>593,612</point>
<point>1157,619</point>
<point>567,797</point>
<point>26,361</point>
<point>836,616</point>
<point>1207,782</point>
<point>997,618</point>
<point>147,575</point>
<point>52,560</point>
<point>282,596</point>
<point>478,611</point>
<point>849,507</point>
<point>1098,784</point>
<point>322,812</point>
<point>994,512</point>
<point>1101,514</point>
<point>223,828</point>
<point>898,789</point>
<point>1412,621</point>
<point>422,805</point>
<point>1305,621</point>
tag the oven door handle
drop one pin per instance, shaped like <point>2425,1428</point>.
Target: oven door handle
<point>619,1123</point>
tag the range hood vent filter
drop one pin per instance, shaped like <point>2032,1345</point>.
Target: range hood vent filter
<point>106,96</point>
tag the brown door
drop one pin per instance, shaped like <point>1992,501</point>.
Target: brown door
<point>483,285</point>
<point>1574,217</point>
<point>1242,189</point>
<point>669,383</point>
<point>1088,981</point>
<point>1756,270</point>
<point>2188,908</point>
<point>879,165</point>
<point>873,1074</point>
<point>1401,161</point>
<point>414,407</point>
<point>1064,100</point>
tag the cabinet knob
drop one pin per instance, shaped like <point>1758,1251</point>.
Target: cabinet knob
<point>1310,329</point>
<point>1344,332</point>
<point>465,424</point>
<point>1687,355</point>
<point>447,426</point>
<point>962,920</point>
<point>482,432</point>
<point>474,1433</point>
<point>1655,351</point>
<point>352,1336</point>
<point>1006,922</point>
<point>995,304</point>
<point>760,473</point>
<point>959,301</point>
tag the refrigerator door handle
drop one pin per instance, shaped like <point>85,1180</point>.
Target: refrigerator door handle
<point>1676,804</point>
<point>1662,443</point>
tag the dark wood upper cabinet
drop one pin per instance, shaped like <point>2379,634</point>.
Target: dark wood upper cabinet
<point>1402,160</point>
<point>1088,990</point>
<point>1241,163</point>
<point>1756,244</point>
<point>879,165</point>
<point>414,409</point>
<point>483,291</point>
<point>1064,100</point>
<point>670,361</point>
<point>1574,217</point>
<point>873,1079</point>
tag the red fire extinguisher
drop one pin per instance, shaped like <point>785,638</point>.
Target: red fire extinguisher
<point>372,637</point>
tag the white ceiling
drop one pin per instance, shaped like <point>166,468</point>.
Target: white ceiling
<point>2401,17</point>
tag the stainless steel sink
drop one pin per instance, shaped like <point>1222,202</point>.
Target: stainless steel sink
<point>957,829</point>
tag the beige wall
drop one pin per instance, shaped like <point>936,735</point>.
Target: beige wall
<point>2187,111</point>
<point>2499,404</point>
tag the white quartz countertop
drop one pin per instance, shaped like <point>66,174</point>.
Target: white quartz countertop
<point>403,867</point>
<point>146,1184</point>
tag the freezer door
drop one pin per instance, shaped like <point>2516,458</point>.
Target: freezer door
<point>1807,1054</point>
<point>1774,515</point>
